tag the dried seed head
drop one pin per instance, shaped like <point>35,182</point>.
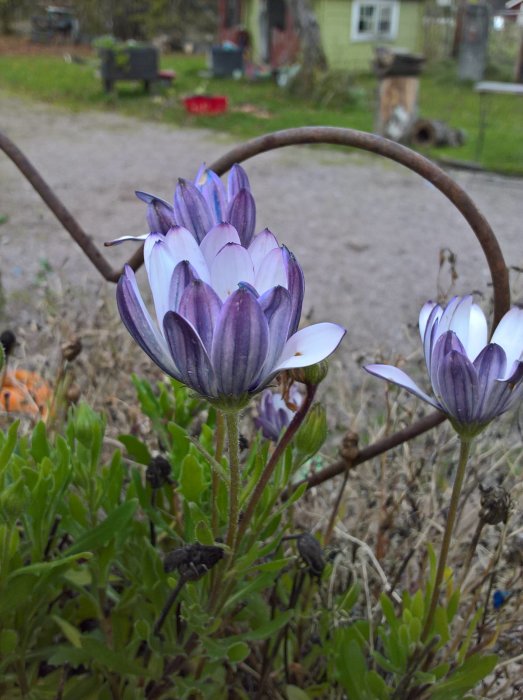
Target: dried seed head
<point>349,446</point>
<point>193,561</point>
<point>496,504</point>
<point>8,340</point>
<point>158,473</point>
<point>73,393</point>
<point>71,348</point>
<point>311,553</point>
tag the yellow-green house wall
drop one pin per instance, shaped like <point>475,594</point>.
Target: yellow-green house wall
<point>334,18</point>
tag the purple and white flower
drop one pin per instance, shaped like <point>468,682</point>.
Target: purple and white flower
<point>227,308</point>
<point>200,205</point>
<point>473,381</point>
<point>275,414</point>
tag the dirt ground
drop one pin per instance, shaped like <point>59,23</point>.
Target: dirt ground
<point>367,232</point>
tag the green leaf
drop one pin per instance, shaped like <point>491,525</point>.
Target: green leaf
<point>8,641</point>
<point>136,449</point>
<point>203,533</point>
<point>377,685</point>
<point>45,567</point>
<point>100,535</point>
<point>387,607</point>
<point>292,692</point>
<point>474,669</point>
<point>69,631</point>
<point>192,483</point>
<point>238,652</point>
<point>39,444</point>
<point>9,445</point>
<point>351,598</point>
<point>269,628</point>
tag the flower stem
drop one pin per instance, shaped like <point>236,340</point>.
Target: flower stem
<point>447,535</point>
<point>220,439</point>
<point>234,465</point>
<point>275,457</point>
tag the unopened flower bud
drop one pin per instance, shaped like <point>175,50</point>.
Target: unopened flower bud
<point>311,553</point>
<point>71,349</point>
<point>313,431</point>
<point>84,421</point>
<point>311,375</point>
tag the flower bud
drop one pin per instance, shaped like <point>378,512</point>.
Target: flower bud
<point>311,375</point>
<point>85,423</point>
<point>313,431</point>
<point>496,504</point>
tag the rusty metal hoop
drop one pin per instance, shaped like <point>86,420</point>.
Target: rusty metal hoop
<point>300,136</point>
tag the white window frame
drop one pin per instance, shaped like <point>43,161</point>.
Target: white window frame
<point>374,35</point>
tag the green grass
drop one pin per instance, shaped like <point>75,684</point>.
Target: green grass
<point>77,86</point>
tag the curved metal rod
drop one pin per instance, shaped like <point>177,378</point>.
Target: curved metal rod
<point>63,215</point>
<point>405,156</point>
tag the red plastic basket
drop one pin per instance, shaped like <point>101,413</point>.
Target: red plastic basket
<point>205,104</point>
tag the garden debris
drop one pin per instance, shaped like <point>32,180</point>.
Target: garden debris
<point>253,110</point>
<point>432,133</point>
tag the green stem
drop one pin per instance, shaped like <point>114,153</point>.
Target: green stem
<point>220,440</point>
<point>234,466</point>
<point>275,457</point>
<point>447,535</point>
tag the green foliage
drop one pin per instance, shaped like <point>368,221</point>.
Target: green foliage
<point>442,97</point>
<point>84,596</point>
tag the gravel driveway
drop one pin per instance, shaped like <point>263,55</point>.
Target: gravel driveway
<point>367,232</point>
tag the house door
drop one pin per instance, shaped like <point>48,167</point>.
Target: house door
<point>278,40</point>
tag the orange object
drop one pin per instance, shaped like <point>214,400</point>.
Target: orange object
<point>25,392</point>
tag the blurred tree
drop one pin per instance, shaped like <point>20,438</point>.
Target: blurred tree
<point>313,61</point>
<point>8,11</point>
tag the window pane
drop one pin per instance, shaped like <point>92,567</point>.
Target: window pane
<point>385,20</point>
<point>366,19</point>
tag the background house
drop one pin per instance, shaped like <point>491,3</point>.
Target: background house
<point>350,29</point>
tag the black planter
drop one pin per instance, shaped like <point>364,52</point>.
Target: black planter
<point>129,63</point>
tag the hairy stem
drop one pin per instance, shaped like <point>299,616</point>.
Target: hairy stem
<point>275,457</point>
<point>220,440</point>
<point>234,466</point>
<point>447,535</point>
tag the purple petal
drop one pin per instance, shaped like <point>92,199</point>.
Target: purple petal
<point>272,272</point>
<point>458,386</point>
<point>183,274</point>
<point>240,344</point>
<point>216,238</point>
<point>429,336</point>
<point>261,246</point>
<point>242,215</point>
<point>310,345</point>
<point>237,181</point>
<point>276,305</point>
<point>490,366</point>
<point>191,357</point>
<point>446,343</point>
<point>213,192</point>
<point>200,305</point>
<point>138,322</point>
<point>397,376</point>
<point>296,287</point>
<point>191,210</point>
<point>509,334</point>
<point>231,266</point>
<point>160,214</point>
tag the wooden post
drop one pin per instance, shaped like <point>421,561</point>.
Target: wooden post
<point>398,105</point>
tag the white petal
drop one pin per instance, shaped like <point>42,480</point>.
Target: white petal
<point>216,238</point>
<point>182,245</point>
<point>310,345</point>
<point>261,245</point>
<point>232,265</point>
<point>123,239</point>
<point>271,273</point>
<point>509,334</point>
<point>424,315</point>
<point>159,264</point>
<point>397,376</point>
<point>455,318</point>
<point>478,332</point>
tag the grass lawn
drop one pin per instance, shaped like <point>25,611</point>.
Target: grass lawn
<point>256,107</point>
